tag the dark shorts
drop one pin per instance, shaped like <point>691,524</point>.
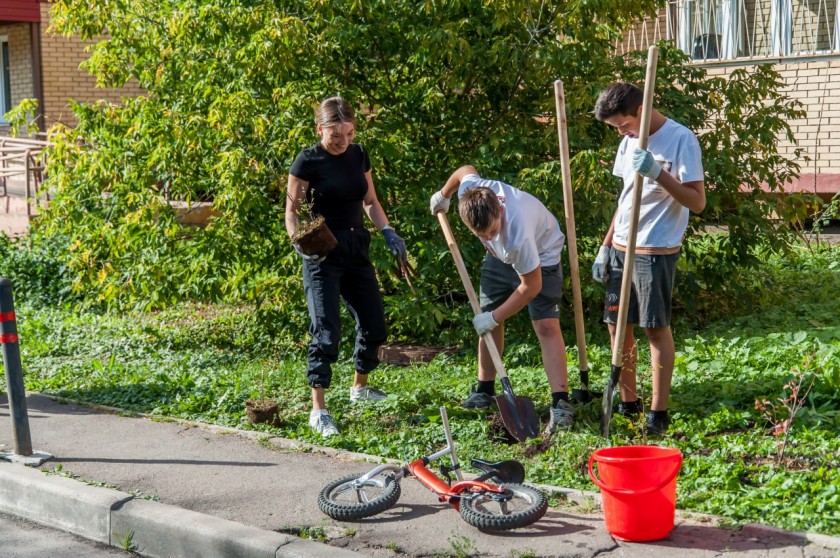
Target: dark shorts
<point>499,280</point>
<point>650,296</point>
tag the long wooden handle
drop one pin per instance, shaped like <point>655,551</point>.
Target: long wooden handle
<point>571,235</point>
<point>627,278</point>
<point>465,278</point>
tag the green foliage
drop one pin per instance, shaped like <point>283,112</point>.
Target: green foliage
<point>230,103</point>
<point>22,116</point>
<point>37,269</point>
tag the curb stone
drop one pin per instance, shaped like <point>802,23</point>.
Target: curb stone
<point>147,528</point>
<point>58,502</point>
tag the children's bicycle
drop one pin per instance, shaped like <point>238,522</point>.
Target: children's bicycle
<point>494,501</point>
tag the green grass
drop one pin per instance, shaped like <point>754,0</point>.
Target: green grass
<point>203,362</point>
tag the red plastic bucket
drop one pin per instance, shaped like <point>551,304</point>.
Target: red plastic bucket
<point>639,490</point>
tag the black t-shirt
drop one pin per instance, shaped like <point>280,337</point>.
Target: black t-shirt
<point>337,183</point>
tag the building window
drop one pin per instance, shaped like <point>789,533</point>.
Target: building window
<point>5,78</point>
<point>730,29</point>
<point>710,29</point>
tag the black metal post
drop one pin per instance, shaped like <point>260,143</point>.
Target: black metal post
<point>14,371</point>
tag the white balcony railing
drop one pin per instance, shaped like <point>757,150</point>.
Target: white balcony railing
<point>721,30</point>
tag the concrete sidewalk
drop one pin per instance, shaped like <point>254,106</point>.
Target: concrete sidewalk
<point>179,489</point>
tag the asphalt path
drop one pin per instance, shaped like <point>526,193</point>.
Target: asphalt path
<point>22,539</point>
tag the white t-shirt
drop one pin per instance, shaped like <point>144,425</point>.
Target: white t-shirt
<point>529,236</point>
<point>662,219</point>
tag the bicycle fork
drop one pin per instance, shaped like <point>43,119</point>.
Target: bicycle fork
<point>449,493</point>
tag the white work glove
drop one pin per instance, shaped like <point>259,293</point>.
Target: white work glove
<point>644,164</point>
<point>600,269</point>
<point>314,258</point>
<point>485,323</point>
<point>439,202</point>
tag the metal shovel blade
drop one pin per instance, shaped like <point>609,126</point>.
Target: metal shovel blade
<point>518,413</point>
<point>607,401</point>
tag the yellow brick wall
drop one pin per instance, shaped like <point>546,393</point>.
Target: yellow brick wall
<point>816,85</point>
<point>64,80</point>
<point>20,60</point>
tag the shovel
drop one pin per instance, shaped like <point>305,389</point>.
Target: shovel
<point>627,278</point>
<point>582,395</point>
<point>518,413</point>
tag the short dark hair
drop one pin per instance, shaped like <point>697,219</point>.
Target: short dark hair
<point>618,98</point>
<point>479,207</point>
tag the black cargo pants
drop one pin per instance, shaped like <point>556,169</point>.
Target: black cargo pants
<point>347,274</point>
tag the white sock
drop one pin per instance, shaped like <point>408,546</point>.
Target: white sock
<point>318,413</point>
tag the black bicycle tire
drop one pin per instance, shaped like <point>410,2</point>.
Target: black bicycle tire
<point>351,512</point>
<point>494,522</point>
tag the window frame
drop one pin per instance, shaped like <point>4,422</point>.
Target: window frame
<point>714,30</point>
<point>5,78</point>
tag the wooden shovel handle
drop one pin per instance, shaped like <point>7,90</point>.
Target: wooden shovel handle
<point>627,277</point>
<point>571,235</point>
<point>465,278</point>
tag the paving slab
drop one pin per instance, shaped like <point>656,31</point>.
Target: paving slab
<point>273,484</point>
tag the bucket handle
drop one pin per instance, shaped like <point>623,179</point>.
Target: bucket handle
<point>625,492</point>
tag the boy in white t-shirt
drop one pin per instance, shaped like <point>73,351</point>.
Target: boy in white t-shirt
<point>522,268</point>
<point>673,186</point>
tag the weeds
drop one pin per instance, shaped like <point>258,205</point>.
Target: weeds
<point>126,542</point>
<point>462,546</point>
<point>782,413</point>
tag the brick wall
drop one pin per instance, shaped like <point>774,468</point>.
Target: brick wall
<point>62,78</point>
<point>20,60</point>
<point>816,84</point>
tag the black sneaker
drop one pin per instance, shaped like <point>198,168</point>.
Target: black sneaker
<point>657,422</point>
<point>630,409</point>
<point>478,400</point>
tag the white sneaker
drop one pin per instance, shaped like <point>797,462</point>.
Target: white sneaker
<point>562,416</point>
<point>324,425</point>
<point>366,394</point>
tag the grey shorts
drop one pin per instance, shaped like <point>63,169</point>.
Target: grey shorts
<point>499,280</point>
<point>650,296</point>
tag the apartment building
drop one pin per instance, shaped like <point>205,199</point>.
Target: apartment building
<point>36,63</point>
<point>800,38</point>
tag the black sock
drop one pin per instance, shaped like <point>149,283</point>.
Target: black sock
<point>488,387</point>
<point>559,396</point>
<point>659,414</point>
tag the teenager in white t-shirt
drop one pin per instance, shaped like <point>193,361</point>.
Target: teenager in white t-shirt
<point>673,186</point>
<point>522,268</point>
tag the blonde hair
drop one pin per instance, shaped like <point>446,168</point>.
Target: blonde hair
<point>479,208</point>
<point>334,110</point>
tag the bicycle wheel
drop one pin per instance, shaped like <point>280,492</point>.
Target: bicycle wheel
<point>346,500</point>
<point>518,506</point>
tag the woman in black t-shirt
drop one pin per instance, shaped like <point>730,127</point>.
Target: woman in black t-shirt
<point>334,178</point>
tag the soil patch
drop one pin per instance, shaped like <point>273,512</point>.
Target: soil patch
<point>537,449</point>
<point>262,411</point>
<point>498,432</point>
